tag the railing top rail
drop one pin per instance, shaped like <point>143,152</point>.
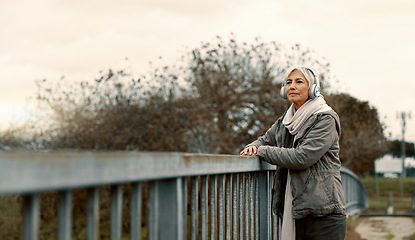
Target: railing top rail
<point>28,172</point>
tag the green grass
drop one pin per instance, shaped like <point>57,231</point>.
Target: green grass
<point>400,205</point>
<point>388,186</point>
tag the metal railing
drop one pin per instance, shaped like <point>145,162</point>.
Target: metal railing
<point>354,192</point>
<point>190,196</point>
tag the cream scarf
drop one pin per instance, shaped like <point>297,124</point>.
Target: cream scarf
<point>294,120</point>
<point>288,223</point>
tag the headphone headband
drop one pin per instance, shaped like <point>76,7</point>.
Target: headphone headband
<point>315,77</point>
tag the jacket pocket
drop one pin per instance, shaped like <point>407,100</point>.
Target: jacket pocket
<point>315,192</point>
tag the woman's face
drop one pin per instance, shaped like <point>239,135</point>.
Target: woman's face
<point>296,87</point>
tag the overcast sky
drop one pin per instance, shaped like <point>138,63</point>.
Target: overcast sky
<point>370,44</point>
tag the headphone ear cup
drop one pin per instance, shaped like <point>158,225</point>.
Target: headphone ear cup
<point>283,94</point>
<point>314,91</point>
<point>311,91</point>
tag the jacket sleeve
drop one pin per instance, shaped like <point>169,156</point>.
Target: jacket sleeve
<point>267,139</point>
<point>311,147</point>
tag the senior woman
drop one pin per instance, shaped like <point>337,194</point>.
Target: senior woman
<point>304,145</point>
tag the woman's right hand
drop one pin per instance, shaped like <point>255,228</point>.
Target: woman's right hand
<point>249,151</point>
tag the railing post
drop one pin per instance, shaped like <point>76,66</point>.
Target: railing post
<point>153,210</point>
<point>31,217</point>
<point>251,205</point>
<point>168,209</point>
<point>116,212</point>
<point>389,210</point>
<point>204,207</point>
<point>135,212</point>
<point>235,202</point>
<point>264,210</point>
<point>413,205</point>
<point>221,207</point>
<point>247,191</point>
<point>228,198</point>
<point>183,190</point>
<point>241,204</point>
<point>257,215</point>
<point>179,206</point>
<point>195,207</point>
<point>213,207</point>
<point>65,215</point>
<point>92,218</point>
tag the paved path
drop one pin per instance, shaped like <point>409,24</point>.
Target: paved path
<point>375,228</point>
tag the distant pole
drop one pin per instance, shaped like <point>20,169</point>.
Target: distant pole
<point>403,116</point>
<point>389,209</point>
<point>377,183</point>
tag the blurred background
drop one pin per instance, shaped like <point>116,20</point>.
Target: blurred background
<point>204,76</point>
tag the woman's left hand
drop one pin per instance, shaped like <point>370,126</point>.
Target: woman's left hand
<point>249,151</point>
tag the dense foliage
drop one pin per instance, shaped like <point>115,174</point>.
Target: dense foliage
<point>395,148</point>
<point>362,139</point>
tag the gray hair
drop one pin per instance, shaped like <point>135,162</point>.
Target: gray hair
<point>307,72</point>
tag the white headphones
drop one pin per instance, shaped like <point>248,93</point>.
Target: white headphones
<point>313,90</point>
